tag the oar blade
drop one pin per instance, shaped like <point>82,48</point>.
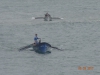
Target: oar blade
<point>25,47</point>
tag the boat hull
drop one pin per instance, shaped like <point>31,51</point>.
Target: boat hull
<point>42,48</point>
<point>48,18</point>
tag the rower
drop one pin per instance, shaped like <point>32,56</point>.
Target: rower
<point>48,16</point>
<point>36,42</point>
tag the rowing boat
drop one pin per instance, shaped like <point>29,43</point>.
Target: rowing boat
<point>46,18</point>
<point>42,48</point>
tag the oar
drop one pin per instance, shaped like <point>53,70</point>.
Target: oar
<point>51,46</point>
<point>25,47</point>
<point>56,48</point>
<point>56,18</point>
<point>37,17</point>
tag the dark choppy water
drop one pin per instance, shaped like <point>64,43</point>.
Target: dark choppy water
<point>78,34</point>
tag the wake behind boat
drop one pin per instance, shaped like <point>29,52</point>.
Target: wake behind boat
<point>47,17</point>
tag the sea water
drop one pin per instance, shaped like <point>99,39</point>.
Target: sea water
<point>78,34</point>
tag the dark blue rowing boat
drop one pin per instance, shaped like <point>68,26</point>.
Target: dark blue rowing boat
<point>42,48</point>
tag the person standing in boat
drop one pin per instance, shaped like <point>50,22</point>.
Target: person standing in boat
<point>36,41</point>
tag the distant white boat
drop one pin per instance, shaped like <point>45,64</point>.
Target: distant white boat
<point>47,17</point>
